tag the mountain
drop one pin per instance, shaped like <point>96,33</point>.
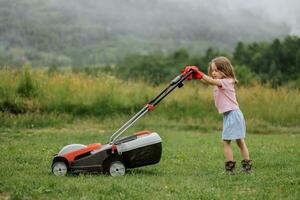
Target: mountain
<point>74,32</point>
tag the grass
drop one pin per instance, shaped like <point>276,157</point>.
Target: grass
<point>101,96</point>
<point>41,112</point>
<point>191,165</point>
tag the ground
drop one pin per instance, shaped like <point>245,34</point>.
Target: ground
<point>191,167</point>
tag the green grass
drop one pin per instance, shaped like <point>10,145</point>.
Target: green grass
<point>38,94</point>
<point>191,166</point>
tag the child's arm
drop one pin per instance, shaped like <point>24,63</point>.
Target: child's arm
<point>203,77</point>
<point>203,81</point>
<point>208,80</point>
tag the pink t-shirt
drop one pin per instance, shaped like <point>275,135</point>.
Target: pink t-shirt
<point>225,98</point>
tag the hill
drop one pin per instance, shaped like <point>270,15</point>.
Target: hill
<point>77,32</point>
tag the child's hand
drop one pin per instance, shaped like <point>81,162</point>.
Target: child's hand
<point>197,74</point>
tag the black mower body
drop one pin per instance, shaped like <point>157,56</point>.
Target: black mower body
<point>134,151</point>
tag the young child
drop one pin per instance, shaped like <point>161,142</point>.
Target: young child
<point>222,77</point>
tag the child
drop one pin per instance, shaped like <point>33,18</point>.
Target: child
<point>222,77</point>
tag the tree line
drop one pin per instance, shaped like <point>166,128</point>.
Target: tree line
<point>276,63</point>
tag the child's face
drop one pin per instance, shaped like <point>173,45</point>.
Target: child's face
<point>216,74</point>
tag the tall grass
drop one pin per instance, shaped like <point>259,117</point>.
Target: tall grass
<point>277,106</point>
<point>79,94</point>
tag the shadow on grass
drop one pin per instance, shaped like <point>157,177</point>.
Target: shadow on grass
<point>129,172</point>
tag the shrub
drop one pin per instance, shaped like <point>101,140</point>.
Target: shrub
<point>27,86</point>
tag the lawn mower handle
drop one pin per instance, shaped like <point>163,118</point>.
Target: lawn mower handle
<point>176,82</point>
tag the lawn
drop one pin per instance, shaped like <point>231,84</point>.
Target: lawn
<point>190,168</point>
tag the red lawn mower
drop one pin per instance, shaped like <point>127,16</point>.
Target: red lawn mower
<point>137,150</point>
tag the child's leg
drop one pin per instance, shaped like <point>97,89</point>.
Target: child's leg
<point>246,163</point>
<point>243,149</point>
<point>230,163</point>
<point>227,150</point>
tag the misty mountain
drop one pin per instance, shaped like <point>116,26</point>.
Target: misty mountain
<point>90,31</point>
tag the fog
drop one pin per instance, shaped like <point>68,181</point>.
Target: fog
<point>119,27</point>
<point>276,11</point>
<point>226,20</point>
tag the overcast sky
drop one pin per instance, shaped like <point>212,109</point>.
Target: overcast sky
<point>156,24</point>
<point>279,11</point>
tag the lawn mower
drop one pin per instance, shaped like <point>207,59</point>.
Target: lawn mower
<point>137,150</point>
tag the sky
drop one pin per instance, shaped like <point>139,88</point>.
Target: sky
<point>278,11</point>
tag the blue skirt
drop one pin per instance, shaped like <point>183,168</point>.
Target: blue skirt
<point>234,126</point>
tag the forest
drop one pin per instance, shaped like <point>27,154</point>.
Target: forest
<point>276,63</point>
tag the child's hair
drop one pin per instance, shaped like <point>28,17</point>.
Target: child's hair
<point>224,65</point>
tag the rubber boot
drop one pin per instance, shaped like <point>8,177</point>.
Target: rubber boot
<point>229,167</point>
<point>246,165</point>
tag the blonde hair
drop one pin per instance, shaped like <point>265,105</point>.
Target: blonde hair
<point>224,65</point>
